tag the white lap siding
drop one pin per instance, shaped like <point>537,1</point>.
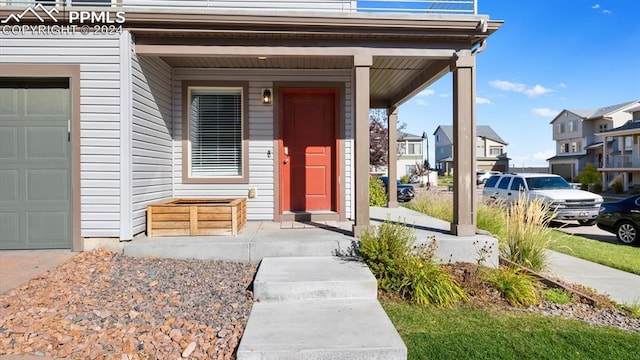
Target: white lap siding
<point>151,136</point>
<point>99,60</point>
<point>261,134</point>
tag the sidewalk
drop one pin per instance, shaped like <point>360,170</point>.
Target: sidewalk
<point>620,286</point>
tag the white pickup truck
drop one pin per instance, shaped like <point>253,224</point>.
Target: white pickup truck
<point>567,202</point>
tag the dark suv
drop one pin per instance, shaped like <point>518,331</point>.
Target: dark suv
<point>405,191</point>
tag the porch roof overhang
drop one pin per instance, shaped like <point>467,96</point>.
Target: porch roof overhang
<point>409,52</point>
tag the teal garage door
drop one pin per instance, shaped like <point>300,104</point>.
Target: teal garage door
<point>35,164</point>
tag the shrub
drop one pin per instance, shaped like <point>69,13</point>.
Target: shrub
<point>617,187</point>
<point>426,283</point>
<point>383,248</point>
<point>556,296</point>
<point>377,194</point>
<point>596,188</point>
<point>589,175</point>
<point>408,271</point>
<point>404,179</point>
<point>527,233</point>
<point>518,289</point>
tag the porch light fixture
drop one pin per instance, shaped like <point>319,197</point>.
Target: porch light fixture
<point>267,97</point>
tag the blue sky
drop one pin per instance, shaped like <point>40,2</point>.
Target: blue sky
<point>548,56</point>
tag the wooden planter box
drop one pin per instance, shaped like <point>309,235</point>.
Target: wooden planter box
<point>196,217</point>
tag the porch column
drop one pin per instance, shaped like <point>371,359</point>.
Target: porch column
<point>392,163</point>
<point>362,63</point>
<point>464,145</point>
<point>604,162</point>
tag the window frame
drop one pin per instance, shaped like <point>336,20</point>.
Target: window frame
<point>187,87</point>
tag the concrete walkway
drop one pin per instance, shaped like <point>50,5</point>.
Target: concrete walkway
<point>312,308</point>
<point>20,266</point>
<point>620,286</point>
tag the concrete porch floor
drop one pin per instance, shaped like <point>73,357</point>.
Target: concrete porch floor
<point>259,239</point>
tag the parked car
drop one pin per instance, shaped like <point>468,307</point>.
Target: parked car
<point>621,218</point>
<point>566,202</point>
<point>482,176</point>
<point>405,191</point>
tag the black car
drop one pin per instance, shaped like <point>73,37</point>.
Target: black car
<point>405,191</point>
<point>621,218</point>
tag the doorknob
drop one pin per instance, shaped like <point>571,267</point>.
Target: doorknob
<point>286,161</point>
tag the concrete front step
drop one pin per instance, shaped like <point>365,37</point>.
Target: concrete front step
<point>320,329</point>
<point>308,278</point>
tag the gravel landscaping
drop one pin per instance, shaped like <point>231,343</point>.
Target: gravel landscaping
<point>102,305</point>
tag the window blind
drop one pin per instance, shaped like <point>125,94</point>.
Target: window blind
<point>215,126</point>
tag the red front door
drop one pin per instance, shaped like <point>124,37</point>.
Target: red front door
<point>308,149</point>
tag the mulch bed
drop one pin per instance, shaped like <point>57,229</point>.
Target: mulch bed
<point>102,305</point>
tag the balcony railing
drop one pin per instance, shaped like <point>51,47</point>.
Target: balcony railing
<point>623,161</point>
<point>454,7</point>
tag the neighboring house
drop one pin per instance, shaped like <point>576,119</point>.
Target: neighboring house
<point>622,155</point>
<point>490,149</point>
<point>410,153</point>
<point>576,135</point>
<point>200,99</point>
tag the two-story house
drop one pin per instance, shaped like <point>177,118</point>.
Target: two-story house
<point>622,156</point>
<point>410,153</point>
<point>575,133</point>
<point>491,151</point>
<point>109,106</point>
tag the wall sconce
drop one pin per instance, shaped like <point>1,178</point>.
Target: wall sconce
<point>267,96</point>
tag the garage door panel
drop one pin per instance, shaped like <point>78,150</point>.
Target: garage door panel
<point>47,185</point>
<point>47,229</point>
<point>10,225</point>
<point>10,189</point>
<point>8,102</point>
<point>46,142</point>
<point>8,143</point>
<point>46,102</point>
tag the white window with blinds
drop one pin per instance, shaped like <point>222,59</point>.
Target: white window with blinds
<point>215,139</point>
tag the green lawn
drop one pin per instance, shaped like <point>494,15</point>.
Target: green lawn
<point>469,333</point>
<point>623,257</point>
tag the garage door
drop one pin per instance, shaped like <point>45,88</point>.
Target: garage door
<point>35,164</point>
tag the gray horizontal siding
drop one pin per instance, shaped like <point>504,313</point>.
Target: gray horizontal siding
<point>98,57</point>
<point>261,137</point>
<point>151,137</point>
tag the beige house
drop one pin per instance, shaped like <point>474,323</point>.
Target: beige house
<point>490,152</point>
<point>622,153</point>
<point>576,133</point>
<point>146,101</point>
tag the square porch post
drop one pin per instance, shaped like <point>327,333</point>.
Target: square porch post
<point>464,148</point>
<point>362,65</point>
<point>392,164</point>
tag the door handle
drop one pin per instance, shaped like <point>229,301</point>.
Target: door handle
<point>286,161</point>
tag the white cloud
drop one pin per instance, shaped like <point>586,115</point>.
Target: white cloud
<point>607,12</point>
<point>481,100</point>
<point>596,6</point>
<point>422,102</point>
<point>507,85</point>
<point>543,155</point>
<point>562,85</point>
<point>544,112</point>
<point>537,90</point>
<point>426,92</point>
<point>520,88</point>
<point>538,159</point>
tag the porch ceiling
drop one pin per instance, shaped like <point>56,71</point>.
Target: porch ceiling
<point>388,77</point>
<point>409,52</point>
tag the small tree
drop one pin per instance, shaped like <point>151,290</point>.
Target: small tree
<point>379,137</point>
<point>589,175</point>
